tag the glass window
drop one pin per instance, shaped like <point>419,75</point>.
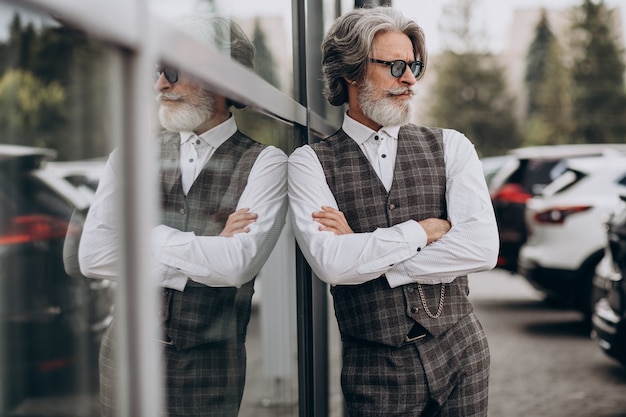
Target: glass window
<point>228,299</point>
<point>267,24</point>
<point>56,114</point>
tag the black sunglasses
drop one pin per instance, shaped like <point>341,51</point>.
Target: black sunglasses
<point>399,66</point>
<point>171,75</point>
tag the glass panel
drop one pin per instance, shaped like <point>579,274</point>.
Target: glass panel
<point>56,112</point>
<point>211,169</point>
<point>267,24</point>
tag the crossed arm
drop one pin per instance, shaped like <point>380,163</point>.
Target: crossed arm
<point>429,251</point>
<point>333,220</point>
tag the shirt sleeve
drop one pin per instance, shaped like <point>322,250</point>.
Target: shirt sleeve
<point>472,243</point>
<point>231,261</point>
<point>98,252</point>
<point>342,259</point>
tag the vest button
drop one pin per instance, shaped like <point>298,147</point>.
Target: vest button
<point>392,206</point>
<point>414,310</point>
<point>181,211</point>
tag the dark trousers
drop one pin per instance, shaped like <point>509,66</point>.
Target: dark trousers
<point>204,381</point>
<point>444,376</point>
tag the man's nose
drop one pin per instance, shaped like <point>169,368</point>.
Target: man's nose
<point>162,84</point>
<point>407,77</point>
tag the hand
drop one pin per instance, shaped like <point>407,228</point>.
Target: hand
<point>435,228</point>
<point>332,220</point>
<point>238,222</point>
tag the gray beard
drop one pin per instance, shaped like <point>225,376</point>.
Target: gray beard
<point>187,117</point>
<point>385,111</point>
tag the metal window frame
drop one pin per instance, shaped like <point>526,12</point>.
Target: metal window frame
<point>131,27</point>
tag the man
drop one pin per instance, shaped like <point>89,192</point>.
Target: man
<point>394,216</point>
<point>223,200</point>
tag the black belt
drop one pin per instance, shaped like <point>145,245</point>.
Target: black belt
<point>417,333</point>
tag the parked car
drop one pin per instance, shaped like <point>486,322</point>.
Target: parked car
<point>523,176</point>
<point>50,323</point>
<point>566,227</point>
<point>493,164</point>
<point>609,317</point>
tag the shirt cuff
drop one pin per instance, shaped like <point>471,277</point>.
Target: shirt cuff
<point>417,239</point>
<point>414,234</point>
<point>174,279</point>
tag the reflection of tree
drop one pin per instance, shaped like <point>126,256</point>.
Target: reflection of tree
<point>264,63</point>
<point>51,90</point>
<point>29,109</point>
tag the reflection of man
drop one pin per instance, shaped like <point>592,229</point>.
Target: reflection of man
<point>394,216</point>
<point>223,199</point>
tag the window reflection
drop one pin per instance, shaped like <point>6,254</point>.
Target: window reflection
<point>54,112</point>
<point>267,24</point>
<point>220,180</point>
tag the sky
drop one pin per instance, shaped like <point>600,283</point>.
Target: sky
<point>494,15</point>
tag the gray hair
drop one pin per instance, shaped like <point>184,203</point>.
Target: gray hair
<point>348,43</point>
<point>223,34</point>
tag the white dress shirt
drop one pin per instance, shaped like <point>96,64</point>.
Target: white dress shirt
<point>210,260</point>
<point>401,251</point>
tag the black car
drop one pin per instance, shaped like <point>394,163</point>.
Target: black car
<point>609,317</point>
<point>524,175</point>
<point>50,322</point>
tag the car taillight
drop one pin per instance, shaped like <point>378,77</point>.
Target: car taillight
<point>512,193</point>
<point>29,228</point>
<point>558,215</point>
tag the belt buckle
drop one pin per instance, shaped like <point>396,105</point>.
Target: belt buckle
<point>416,333</point>
<point>408,339</point>
<point>168,342</point>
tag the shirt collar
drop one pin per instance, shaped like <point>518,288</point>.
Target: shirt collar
<point>215,136</point>
<point>360,133</point>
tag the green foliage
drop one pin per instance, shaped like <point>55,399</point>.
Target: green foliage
<point>51,90</point>
<point>470,92</point>
<point>599,98</point>
<point>548,119</point>
<point>28,108</point>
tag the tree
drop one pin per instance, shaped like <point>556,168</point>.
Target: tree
<point>548,106</point>
<point>52,90</point>
<point>469,94</point>
<point>599,98</point>
<point>264,63</point>
<point>29,109</point>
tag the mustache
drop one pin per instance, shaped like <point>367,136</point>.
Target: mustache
<point>169,96</point>
<point>396,91</point>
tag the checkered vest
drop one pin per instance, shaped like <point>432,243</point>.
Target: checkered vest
<point>373,311</point>
<point>202,314</point>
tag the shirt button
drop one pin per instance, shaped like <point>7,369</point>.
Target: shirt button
<point>383,156</point>
<point>198,142</point>
<point>376,137</point>
<point>190,159</point>
<point>419,249</point>
<point>181,211</point>
<point>414,310</point>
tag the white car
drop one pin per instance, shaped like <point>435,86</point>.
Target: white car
<point>566,226</point>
